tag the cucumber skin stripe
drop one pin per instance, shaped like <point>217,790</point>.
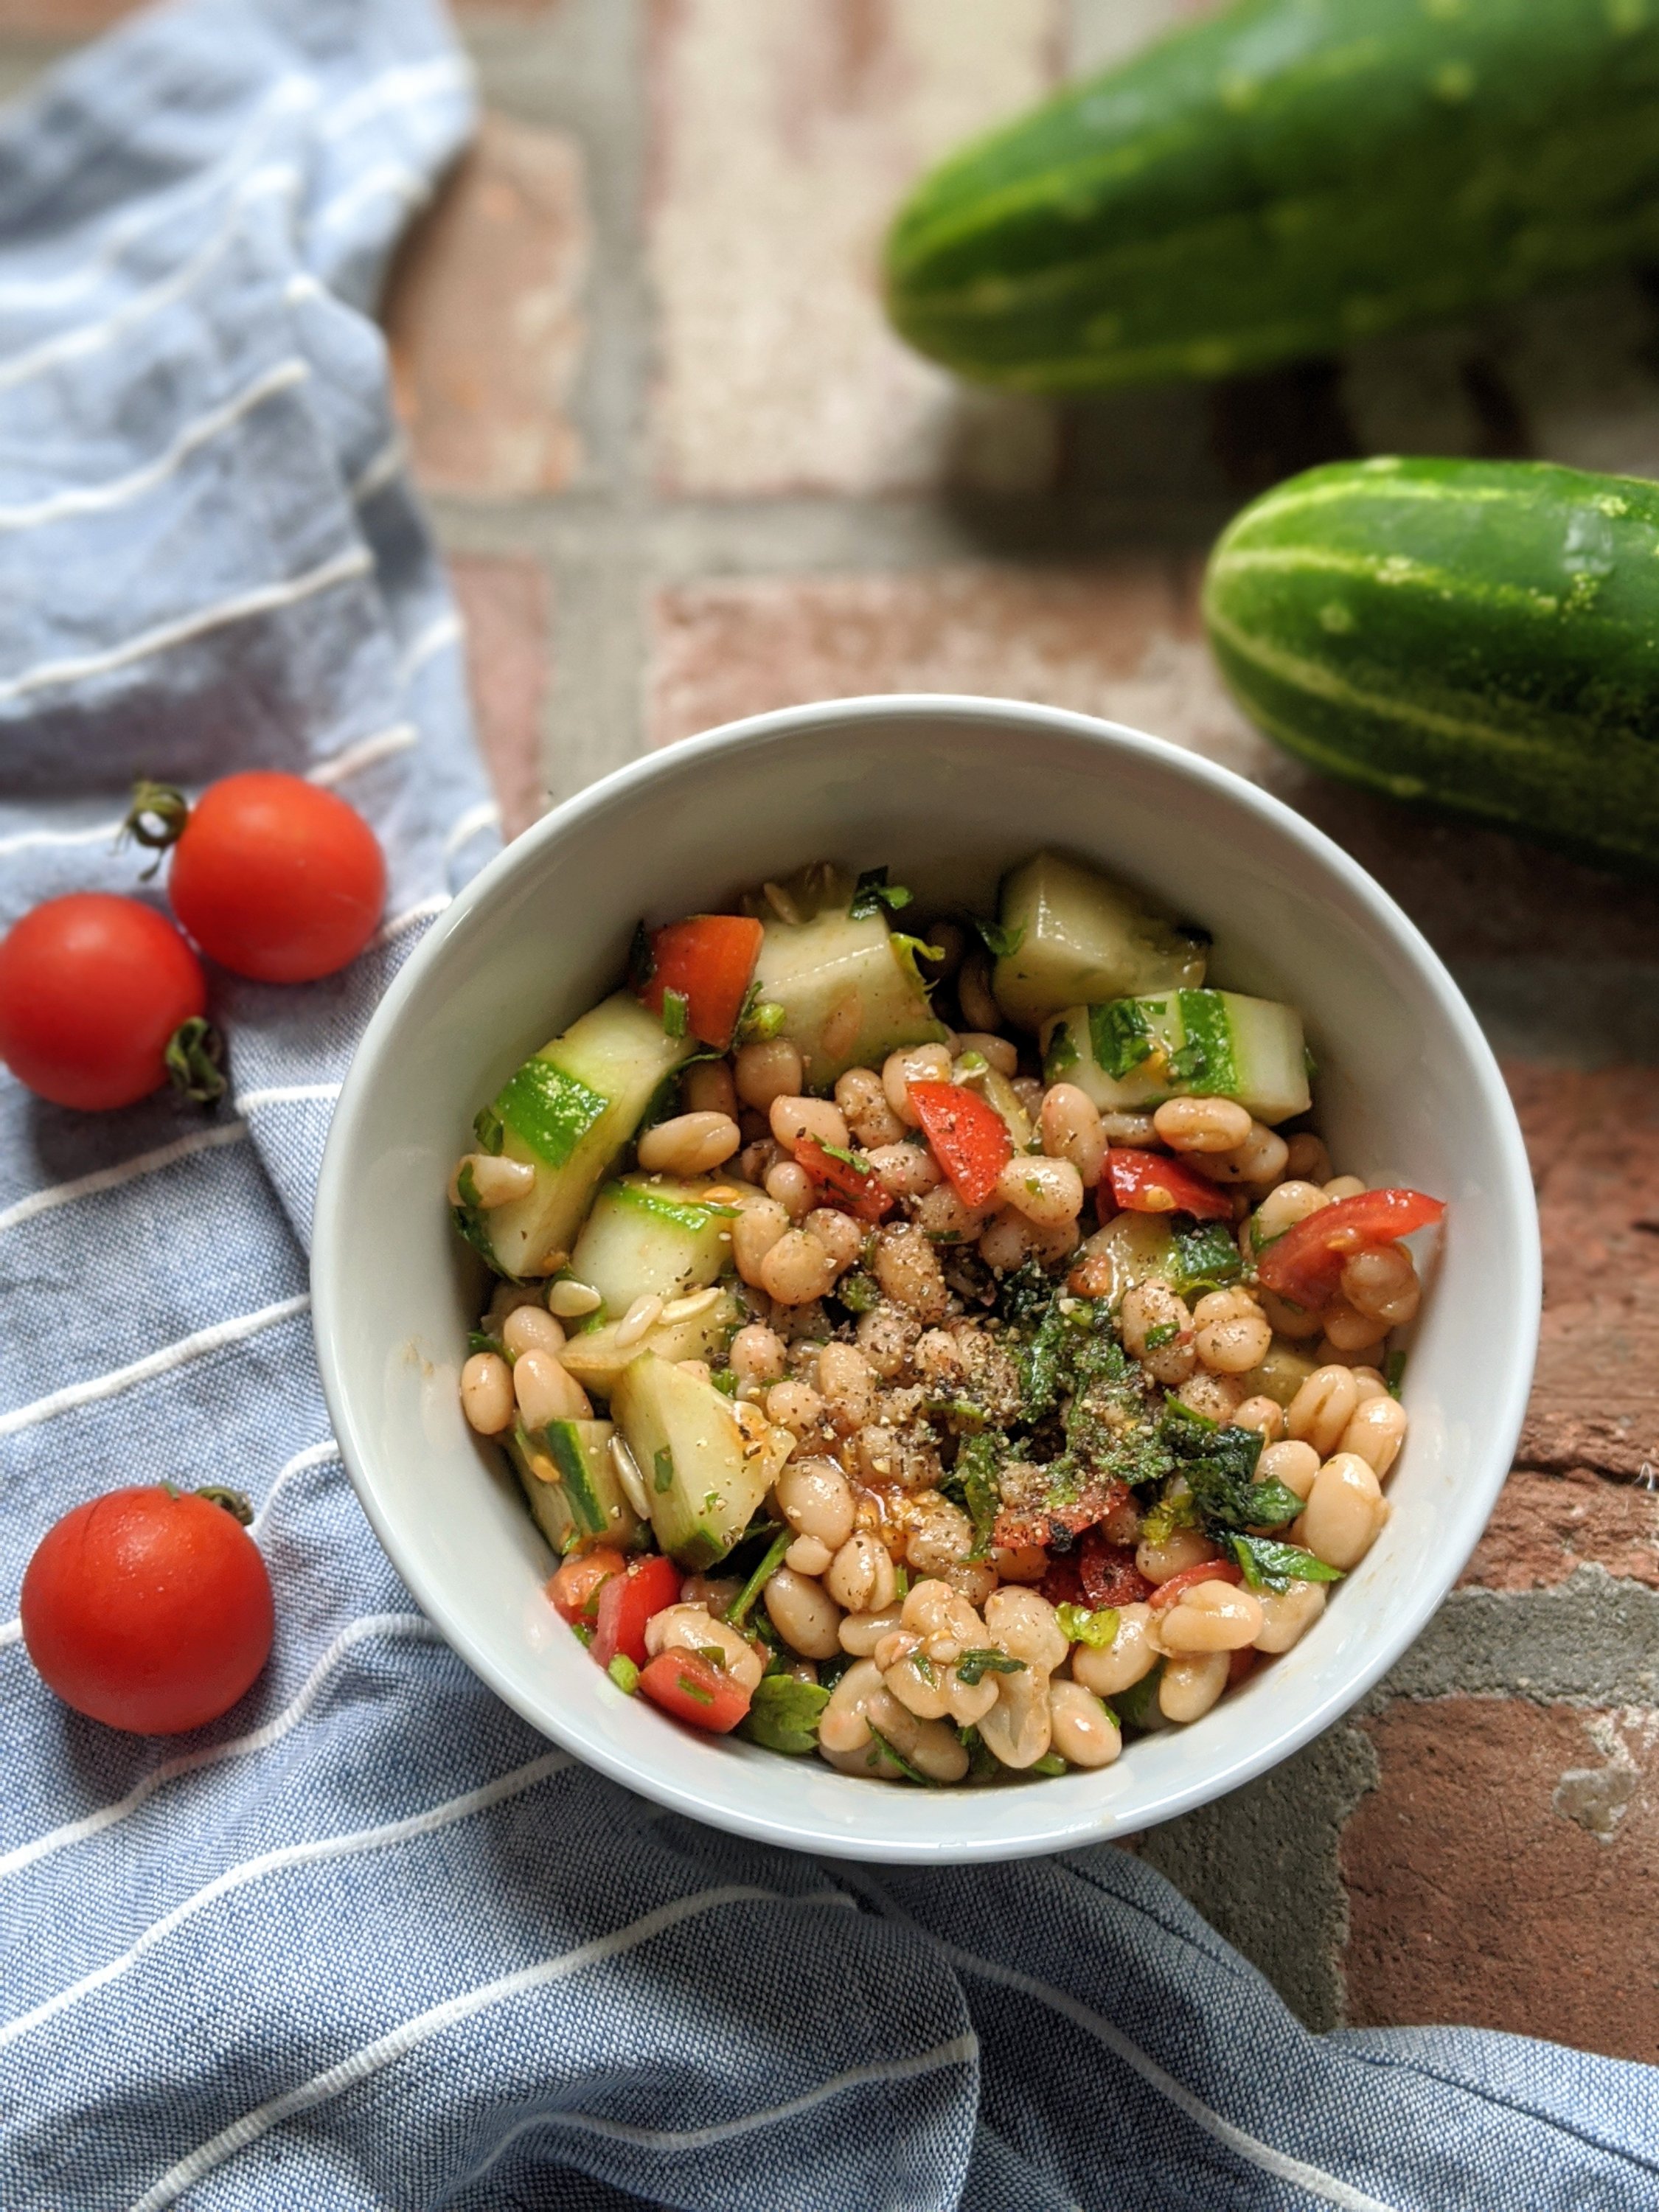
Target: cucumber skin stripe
<point>1505,666</point>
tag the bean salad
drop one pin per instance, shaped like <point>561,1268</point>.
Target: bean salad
<point>939,1348</point>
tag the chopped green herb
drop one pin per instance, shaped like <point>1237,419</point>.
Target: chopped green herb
<point>1206,1258</point>
<point>662,1469</point>
<point>1062,1054</point>
<point>641,960</point>
<point>1309,1062</point>
<point>902,1581</point>
<point>783,1714</point>
<point>856,1161</point>
<point>624,1673</point>
<point>1165,1332</point>
<point>490,1129</point>
<point>1000,942</point>
<point>1220,1472</point>
<point>1176,1509</point>
<point>725,1382</point>
<point>972,1485</point>
<point>1393,1372</point>
<point>1190,1062</point>
<point>907,951</point>
<point>880,1748</point>
<point>1122,1037</point>
<point>1138,1706</point>
<point>478,1339</point>
<point>981,1660</point>
<point>1269,1564</point>
<point>1098,1629</point>
<point>583,1632</point>
<point>676,1009</point>
<point>1051,1763</point>
<point>859,1292</point>
<point>694,1690</point>
<point>924,1667</point>
<point>872,892</point>
<point>742,1605</point>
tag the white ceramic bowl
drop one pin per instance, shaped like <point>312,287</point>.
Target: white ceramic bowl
<point>948,792</point>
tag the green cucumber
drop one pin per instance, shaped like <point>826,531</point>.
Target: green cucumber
<point>705,1477</point>
<point>568,1113</point>
<point>848,992</point>
<point>597,1358</point>
<point>1076,935</point>
<point>1282,179</point>
<point>1473,635</point>
<point>1136,1053</point>
<point>572,1483</point>
<point>648,1234</point>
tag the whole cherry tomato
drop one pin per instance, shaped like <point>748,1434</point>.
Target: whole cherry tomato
<point>101,1001</point>
<point>274,877</point>
<point>149,1608</point>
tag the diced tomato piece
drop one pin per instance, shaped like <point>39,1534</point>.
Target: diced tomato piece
<point>575,1589</point>
<point>855,1186</point>
<point>684,1684</point>
<point>709,960</point>
<point>1062,1584</point>
<point>1152,1182</point>
<point>1305,1264</point>
<point>627,1603</point>
<point>969,1138</point>
<point>1240,1665</point>
<point>1107,1572</point>
<point>1212,1571</point>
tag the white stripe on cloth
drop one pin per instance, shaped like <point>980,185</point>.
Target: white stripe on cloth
<point>94,337</point>
<point>961,2050</point>
<point>388,1833</point>
<point>428,910</point>
<point>446,630</point>
<point>382,746</point>
<point>395,178</point>
<point>313,1456</point>
<point>98,499</point>
<point>26,840</point>
<point>476,819</point>
<point>276,1094</point>
<point>404,86</point>
<point>414,1626</point>
<point>170,1356</point>
<point>141,1164</point>
<point>1328,2187</point>
<point>267,599</point>
<point>387,2050</point>
<point>381,471</point>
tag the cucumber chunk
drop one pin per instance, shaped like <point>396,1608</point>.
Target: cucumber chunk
<point>651,1234</point>
<point>595,1358</point>
<point>1081,936</point>
<point>849,994</point>
<point>706,1478</point>
<point>1135,1053</point>
<point>568,1113</point>
<point>573,1487</point>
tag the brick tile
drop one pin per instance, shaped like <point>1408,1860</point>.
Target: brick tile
<point>1547,1525</point>
<point>1505,1874</point>
<point>1596,1163</point>
<point>784,139</point>
<point>1120,639</point>
<point>504,603</point>
<point>484,320</point>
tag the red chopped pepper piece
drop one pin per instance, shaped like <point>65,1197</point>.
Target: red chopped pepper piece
<point>709,960</point>
<point>1107,1572</point>
<point>1240,1665</point>
<point>1212,1571</point>
<point>685,1685</point>
<point>969,1138</point>
<point>627,1602</point>
<point>1305,1264</point>
<point>574,1588</point>
<point>854,1186</point>
<point>1152,1182</point>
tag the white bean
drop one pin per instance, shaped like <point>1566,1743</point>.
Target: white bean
<point>1288,1614</point>
<point>1128,1659</point>
<point>920,1063</point>
<point>1080,1729</point>
<point>802,1615</point>
<point>529,1328</point>
<point>1048,1192</point>
<point>547,1391</point>
<point>487,1392</point>
<point>1190,1684</point>
<point>861,1576</point>
<point>1071,1131</point>
<point>767,1071</point>
<point>1211,1617</point>
<point>1026,1626</point>
<point>1017,1729</point>
<point>1377,1432</point>
<point>797,1269</point>
<point>815,1499</point>
<point>1345,1512</point>
<point>793,1119</point>
<point>688,1144</point>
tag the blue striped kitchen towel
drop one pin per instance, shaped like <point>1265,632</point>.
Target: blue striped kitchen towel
<point>367,1942</point>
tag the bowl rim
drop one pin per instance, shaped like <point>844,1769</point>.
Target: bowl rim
<point>1513,1188</point>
